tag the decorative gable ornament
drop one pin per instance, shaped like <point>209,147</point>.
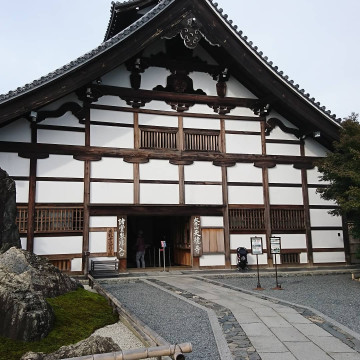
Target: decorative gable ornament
<point>190,31</point>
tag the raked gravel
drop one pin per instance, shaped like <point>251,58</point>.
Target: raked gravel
<point>335,295</point>
<point>175,320</point>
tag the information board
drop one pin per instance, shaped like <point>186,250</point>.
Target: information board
<point>256,245</point>
<point>275,245</point>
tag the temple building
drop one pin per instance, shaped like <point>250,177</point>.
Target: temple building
<point>176,125</point>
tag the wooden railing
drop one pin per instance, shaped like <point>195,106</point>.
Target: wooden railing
<point>200,141</point>
<point>246,219</point>
<point>158,139</point>
<point>287,219</point>
<point>52,219</point>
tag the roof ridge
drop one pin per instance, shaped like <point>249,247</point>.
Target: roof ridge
<point>281,74</point>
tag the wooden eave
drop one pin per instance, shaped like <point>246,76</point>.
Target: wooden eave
<point>244,64</point>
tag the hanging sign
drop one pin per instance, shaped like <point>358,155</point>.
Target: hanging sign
<point>163,244</point>
<point>275,245</point>
<point>256,245</point>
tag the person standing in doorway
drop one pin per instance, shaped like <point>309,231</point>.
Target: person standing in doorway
<point>140,250</point>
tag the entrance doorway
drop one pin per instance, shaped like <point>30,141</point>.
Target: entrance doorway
<point>175,230</point>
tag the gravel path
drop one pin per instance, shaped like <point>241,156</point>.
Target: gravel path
<point>336,296</point>
<point>174,319</point>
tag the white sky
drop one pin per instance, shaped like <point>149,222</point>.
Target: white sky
<point>315,42</point>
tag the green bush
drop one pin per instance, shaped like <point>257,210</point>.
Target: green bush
<point>77,315</point>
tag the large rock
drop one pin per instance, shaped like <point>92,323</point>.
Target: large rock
<point>25,281</point>
<point>9,233</point>
<point>89,346</point>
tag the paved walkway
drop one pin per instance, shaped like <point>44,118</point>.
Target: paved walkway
<point>273,331</point>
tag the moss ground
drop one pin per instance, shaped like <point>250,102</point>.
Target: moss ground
<point>77,315</point>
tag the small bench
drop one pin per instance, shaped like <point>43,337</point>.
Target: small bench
<point>105,268</point>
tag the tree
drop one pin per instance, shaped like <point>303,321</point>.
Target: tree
<point>341,169</point>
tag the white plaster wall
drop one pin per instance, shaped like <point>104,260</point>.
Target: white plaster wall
<point>284,174</point>
<point>328,257</point>
<point>61,137</point>
<point>203,194</point>
<point>159,170</point>
<point>58,245</point>
<point>244,173</point>
<point>153,77</point>
<point>111,193</point>
<point>117,77</point>
<point>201,109</point>
<point>103,221</point>
<point>158,105</point>
<point>241,111</point>
<point>60,166</point>
<point>278,134</point>
<point>252,260</point>
<point>23,243</point>
<point>283,149</point>
<point>303,258</point>
<point>22,191</point>
<point>158,120</point>
<point>68,119</point>
<point>315,199</point>
<point>313,176</point>
<point>76,264</point>
<point>313,148</point>
<point>202,171</point>
<point>292,241</point>
<point>18,131</point>
<point>111,136</point>
<point>14,165</point>
<point>242,125</point>
<point>59,192</point>
<point>327,238</point>
<point>199,123</point>
<point>212,260</point>
<point>321,217</point>
<point>243,144</point>
<point>118,117</point>
<point>112,168</point>
<point>204,82</point>
<point>159,194</point>
<point>236,89</point>
<point>56,104</point>
<point>112,101</point>
<point>212,221</point>
<point>244,240</point>
<point>285,196</point>
<point>245,195</point>
<point>97,242</point>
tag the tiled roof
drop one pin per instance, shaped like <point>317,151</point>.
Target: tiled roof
<point>138,24</point>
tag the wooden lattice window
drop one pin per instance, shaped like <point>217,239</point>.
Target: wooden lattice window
<point>292,219</point>
<point>63,264</point>
<point>201,140</point>
<point>158,138</point>
<point>213,240</point>
<point>246,219</point>
<point>290,258</point>
<point>52,220</point>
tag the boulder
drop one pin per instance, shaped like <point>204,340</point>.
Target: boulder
<point>26,280</point>
<point>9,233</point>
<point>89,346</point>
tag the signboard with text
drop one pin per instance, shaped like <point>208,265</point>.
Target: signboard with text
<point>256,245</point>
<point>275,245</point>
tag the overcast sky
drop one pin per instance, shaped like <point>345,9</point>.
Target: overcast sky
<point>315,42</point>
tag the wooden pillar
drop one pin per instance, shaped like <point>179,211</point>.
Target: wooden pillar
<point>180,141</point>
<point>346,240</point>
<point>87,174</point>
<point>266,194</point>
<point>225,198</point>
<point>305,193</point>
<point>136,166</point>
<point>32,192</point>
